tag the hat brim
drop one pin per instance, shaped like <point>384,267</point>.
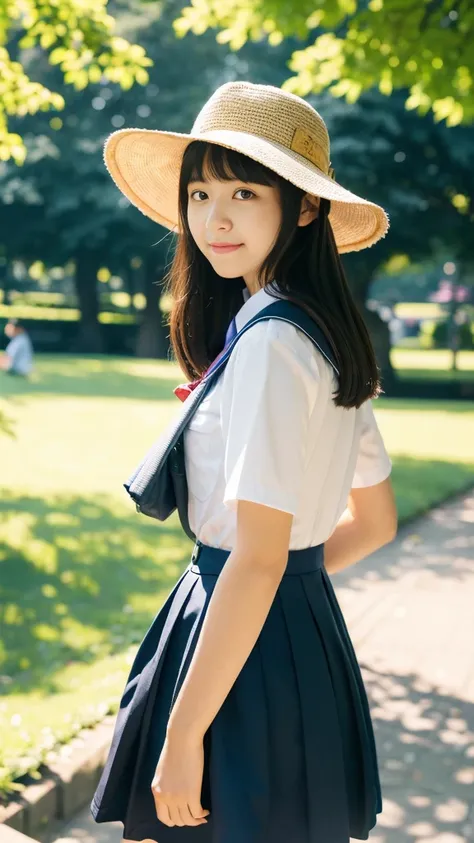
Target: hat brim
<point>145,165</point>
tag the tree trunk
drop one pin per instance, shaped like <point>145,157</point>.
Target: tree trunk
<point>89,338</point>
<point>127,274</point>
<point>380,336</point>
<point>360,269</point>
<point>453,329</point>
<point>152,340</point>
<point>5,281</point>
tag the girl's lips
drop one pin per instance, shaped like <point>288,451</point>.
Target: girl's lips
<point>222,250</point>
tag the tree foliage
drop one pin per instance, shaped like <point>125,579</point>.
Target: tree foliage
<point>78,36</point>
<point>62,204</point>
<point>424,46</point>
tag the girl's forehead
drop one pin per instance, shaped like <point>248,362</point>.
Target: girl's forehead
<point>208,178</point>
<point>228,179</point>
<point>215,164</point>
<point>206,172</point>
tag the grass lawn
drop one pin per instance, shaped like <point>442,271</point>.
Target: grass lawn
<point>433,364</point>
<point>82,574</point>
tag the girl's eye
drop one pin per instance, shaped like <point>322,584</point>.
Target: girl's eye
<point>195,192</point>
<point>201,195</point>
<point>249,192</point>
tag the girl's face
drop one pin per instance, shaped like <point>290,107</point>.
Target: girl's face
<point>243,214</point>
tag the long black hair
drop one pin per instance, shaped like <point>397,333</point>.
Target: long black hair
<point>303,266</point>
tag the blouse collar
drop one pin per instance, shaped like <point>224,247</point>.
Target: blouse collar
<point>252,305</point>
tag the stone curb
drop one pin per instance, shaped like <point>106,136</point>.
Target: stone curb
<point>9,835</point>
<point>66,786</point>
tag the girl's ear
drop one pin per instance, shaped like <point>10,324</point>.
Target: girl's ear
<point>309,209</point>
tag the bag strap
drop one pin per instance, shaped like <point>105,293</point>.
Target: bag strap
<point>171,445</point>
<point>284,311</point>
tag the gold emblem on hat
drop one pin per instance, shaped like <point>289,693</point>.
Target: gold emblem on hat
<point>305,144</point>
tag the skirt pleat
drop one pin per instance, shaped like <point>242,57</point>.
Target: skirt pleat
<point>115,786</point>
<point>289,757</point>
<point>325,785</point>
<point>373,793</point>
<point>353,726</point>
<point>180,644</point>
<point>287,764</point>
<point>239,759</point>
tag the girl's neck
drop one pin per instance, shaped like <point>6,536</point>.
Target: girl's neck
<point>252,286</point>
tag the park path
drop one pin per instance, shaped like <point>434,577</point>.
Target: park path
<point>410,611</point>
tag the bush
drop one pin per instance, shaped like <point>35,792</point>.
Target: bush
<point>465,338</point>
<point>426,333</point>
<point>435,335</point>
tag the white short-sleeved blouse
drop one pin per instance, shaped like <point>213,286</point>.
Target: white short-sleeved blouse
<point>269,432</point>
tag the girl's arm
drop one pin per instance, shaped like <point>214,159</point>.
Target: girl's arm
<point>239,605</point>
<point>369,522</point>
<point>263,462</point>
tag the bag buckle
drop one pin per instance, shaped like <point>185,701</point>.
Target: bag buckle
<point>196,551</point>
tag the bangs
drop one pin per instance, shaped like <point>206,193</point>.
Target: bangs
<point>203,160</point>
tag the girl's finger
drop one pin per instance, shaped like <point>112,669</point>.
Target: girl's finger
<point>163,813</point>
<point>196,809</point>
<point>175,814</point>
<point>188,816</point>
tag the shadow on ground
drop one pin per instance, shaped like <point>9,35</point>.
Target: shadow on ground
<point>425,743</point>
<point>445,547</point>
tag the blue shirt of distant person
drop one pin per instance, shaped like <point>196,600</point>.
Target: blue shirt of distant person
<point>18,357</point>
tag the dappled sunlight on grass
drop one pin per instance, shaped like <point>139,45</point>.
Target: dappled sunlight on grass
<point>431,447</point>
<point>421,483</point>
<point>123,377</point>
<point>89,445</point>
<point>80,580</point>
<point>432,364</point>
<point>60,364</point>
<point>32,724</point>
<point>81,583</point>
<point>428,429</point>
<point>436,358</point>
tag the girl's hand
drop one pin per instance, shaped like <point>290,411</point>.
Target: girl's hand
<point>177,782</point>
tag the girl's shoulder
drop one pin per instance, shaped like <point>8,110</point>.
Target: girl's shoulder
<point>274,339</point>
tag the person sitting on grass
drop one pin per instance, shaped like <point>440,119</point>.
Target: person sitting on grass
<point>18,357</point>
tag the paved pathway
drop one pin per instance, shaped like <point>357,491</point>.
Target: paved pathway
<point>410,612</point>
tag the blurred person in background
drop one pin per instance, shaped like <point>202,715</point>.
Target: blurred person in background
<point>18,356</point>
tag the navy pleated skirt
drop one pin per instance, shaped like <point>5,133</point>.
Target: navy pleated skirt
<point>290,757</point>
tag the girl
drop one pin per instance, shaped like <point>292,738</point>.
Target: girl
<point>245,718</point>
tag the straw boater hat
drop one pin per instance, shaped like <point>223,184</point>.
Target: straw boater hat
<point>272,126</point>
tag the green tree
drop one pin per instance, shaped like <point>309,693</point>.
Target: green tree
<point>420,171</point>
<point>423,46</point>
<point>99,225</point>
<point>62,204</point>
<point>76,35</point>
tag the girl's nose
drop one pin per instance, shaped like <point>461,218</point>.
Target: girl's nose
<point>217,219</point>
